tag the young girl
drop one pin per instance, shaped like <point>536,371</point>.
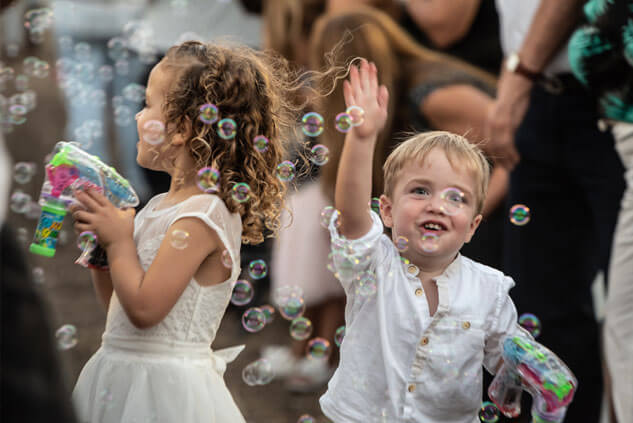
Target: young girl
<point>173,266</point>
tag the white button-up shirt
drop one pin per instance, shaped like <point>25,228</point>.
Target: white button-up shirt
<point>398,363</point>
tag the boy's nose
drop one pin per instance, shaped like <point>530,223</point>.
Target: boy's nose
<point>434,204</point>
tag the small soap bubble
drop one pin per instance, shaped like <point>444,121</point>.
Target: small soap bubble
<point>343,122</point>
<point>20,202</point>
<point>38,275</point>
<point>241,192</point>
<point>257,269</point>
<point>366,284</point>
<point>286,171</point>
<point>66,337</point>
<point>339,335</point>
<point>227,261</point>
<point>227,128</point>
<point>42,69</point>
<point>319,155</point>
<point>326,216</point>
<point>292,308</point>
<point>154,132</point>
<point>179,239</point>
<point>301,328</point>
<point>402,244</point>
<point>122,67</point>
<point>134,93</point>
<point>86,239</point>
<point>117,49</point>
<point>306,418</point>
<point>82,51</point>
<point>269,312</point>
<point>312,124</point>
<point>452,201</point>
<point>242,293</point>
<point>123,115</point>
<point>22,234</point>
<point>207,180</point>
<point>318,349</point>
<point>430,242</point>
<point>259,372</point>
<point>105,73</point>
<point>284,292</point>
<point>21,82</point>
<point>260,143</point>
<point>356,114</point>
<point>374,204</point>
<point>208,113</point>
<point>23,172</point>
<point>63,237</point>
<point>253,319</point>
<point>531,323</point>
<point>519,214</point>
<point>33,211</point>
<point>488,413</point>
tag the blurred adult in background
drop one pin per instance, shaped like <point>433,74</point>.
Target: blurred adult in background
<point>32,386</point>
<point>543,127</point>
<point>601,57</point>
<point>466,29</point>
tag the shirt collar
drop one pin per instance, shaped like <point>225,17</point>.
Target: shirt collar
<point>451,272</point>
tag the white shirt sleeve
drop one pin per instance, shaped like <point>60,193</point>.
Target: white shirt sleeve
<point>353,259</point>
<point>502,323</point>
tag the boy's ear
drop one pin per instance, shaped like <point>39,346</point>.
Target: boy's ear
<point>185,134</point>
<point>474,224</point>
<point>386,207</point>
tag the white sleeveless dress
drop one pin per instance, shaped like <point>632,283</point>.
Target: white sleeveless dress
<point>166,373</point>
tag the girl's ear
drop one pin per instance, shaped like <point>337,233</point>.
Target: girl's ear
<point>185,134</point>
<point>385,211</point>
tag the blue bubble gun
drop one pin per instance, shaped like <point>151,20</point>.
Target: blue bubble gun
<point>529,366</point>
<point>71,169</point>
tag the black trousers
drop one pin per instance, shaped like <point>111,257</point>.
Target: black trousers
<point>572,180</point>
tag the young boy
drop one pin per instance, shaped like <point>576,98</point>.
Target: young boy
<point>420,319</point>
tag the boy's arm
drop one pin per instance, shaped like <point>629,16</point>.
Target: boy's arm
<point>102,284</point>
<point>353,181</point>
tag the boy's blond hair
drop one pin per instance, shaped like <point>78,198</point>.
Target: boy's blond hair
<point>460,153</point>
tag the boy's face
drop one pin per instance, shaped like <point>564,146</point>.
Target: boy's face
<point>416,208</point>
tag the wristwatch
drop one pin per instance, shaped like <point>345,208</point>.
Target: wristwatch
<point>514,65</point>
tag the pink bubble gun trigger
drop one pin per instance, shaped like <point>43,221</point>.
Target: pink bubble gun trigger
<point>528,365</point>
<point>69,169</point>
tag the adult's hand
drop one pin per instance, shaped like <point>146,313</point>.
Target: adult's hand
<point>504,117</point>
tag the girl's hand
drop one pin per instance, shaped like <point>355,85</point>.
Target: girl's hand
<point>362,90</point>
<point>101,217</point>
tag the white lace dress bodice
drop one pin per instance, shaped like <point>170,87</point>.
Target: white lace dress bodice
<point>197,314</point>
<point>167,372</point>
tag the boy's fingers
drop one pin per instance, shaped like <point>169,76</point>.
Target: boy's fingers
<point>87,201</point>
<point>82,216</point>
<point>97,196</point>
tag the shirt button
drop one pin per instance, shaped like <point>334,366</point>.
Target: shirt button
<point>412,268</point>
<point>411,388</point>
<point>466,325</point>
<point>419,292</point>
<point>424,341</point>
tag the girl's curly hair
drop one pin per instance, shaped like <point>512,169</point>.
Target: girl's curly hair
<point>258,90</point>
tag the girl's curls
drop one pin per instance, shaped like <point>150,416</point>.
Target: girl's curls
<point>259,91</point>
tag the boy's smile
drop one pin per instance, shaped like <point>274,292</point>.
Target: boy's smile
<point>427,200</point>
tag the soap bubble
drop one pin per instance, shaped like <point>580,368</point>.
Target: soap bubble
<point>20,202</point>
<point>208,113</point>
<point>269,312</point>
<point>286,171</point>
<point>488,413</point>
<point>105,73</point>
<point>227,261</point>
<point>402,244</point>
<point>86,239</point>
<point>292,308</point>
<point>319,155</point>
<point>301,328</point>
<point>260,143</point>
<point>207,180</point>
<point>253,319</point>
<point>134,93</point>
<point>23,172</point>
<point>227,128</point>
<point>257,269</point>
<point>519,214</point>
<point>82,51</point>
<point>339,335</point>
<point>66,337</point>
<point>306,418</point>
<point>318,349</point>
<point>123,115</point>
<point>259,372</point>
<point>343,122</point>
<point>430,242</point>
<point>374,204</point>
<point>242,293</point>
<point>531,323</point>
<point>241,192</point>
<point>179,239</point>
<point>154,132</point>
<point>326,216</point>
<point>38,275</point>
<point>312,124</point>
<point>356,114</point>
<point>452,201</point>
<point>366,283</point>
<point>117,49</point>
<point>284,292</point>
<point>22,234</point>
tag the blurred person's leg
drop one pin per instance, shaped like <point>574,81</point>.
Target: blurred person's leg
<point>618,325</point>
<point>555,257</point>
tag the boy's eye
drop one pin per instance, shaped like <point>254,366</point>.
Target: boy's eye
<point>453,195</point>
<point>420,191</point>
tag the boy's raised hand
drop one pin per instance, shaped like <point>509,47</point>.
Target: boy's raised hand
<point>362,90</point>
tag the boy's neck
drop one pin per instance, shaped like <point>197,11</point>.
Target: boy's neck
<point>432,267</point>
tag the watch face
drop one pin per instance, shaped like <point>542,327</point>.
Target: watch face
<point>512,62</point>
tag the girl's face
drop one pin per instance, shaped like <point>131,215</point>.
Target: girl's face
<point>150,133</point>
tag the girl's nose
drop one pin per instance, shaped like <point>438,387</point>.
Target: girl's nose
<point>136,116</point>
